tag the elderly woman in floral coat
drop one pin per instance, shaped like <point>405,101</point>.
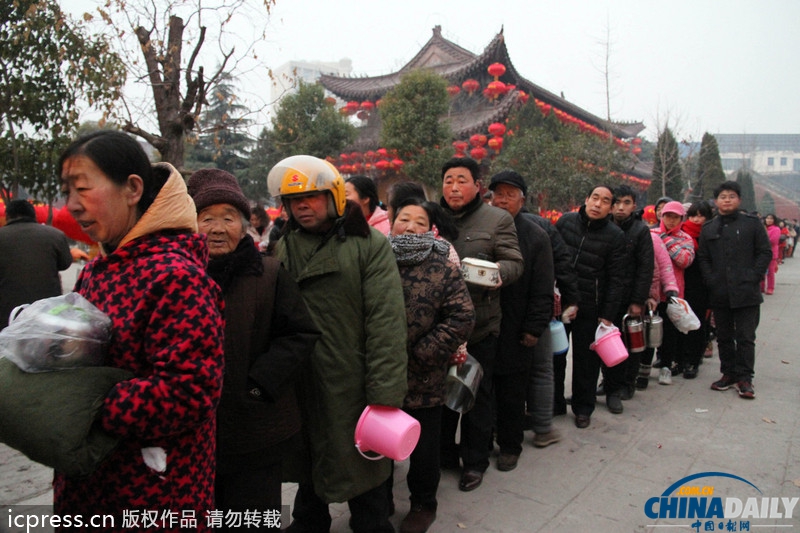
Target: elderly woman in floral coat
<point>440,316</point>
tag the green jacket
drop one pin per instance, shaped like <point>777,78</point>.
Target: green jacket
<point>352,289</point>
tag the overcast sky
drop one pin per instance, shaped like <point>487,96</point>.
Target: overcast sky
<point>720,66</point>
<point>700,65</point>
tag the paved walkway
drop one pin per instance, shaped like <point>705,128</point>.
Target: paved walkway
<point>599,479</point>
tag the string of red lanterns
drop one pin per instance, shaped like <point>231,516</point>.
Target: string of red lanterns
<point>358,162</point>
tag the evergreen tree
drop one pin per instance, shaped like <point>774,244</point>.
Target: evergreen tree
<point>304,123</point>
<point>667,171</point>
<point>745,181</point>
<point>254,178</point>
<point>559,163</point>
<point>50,68</point>
<point>709,170</point>
<point>767,204</point>
<point>410,114</point>
<point>223,142</point>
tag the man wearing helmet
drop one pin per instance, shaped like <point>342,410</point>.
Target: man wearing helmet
<point>349,280</point>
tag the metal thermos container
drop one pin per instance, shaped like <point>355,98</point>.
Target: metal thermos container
<point>634,333</point>
<point>654,328</point>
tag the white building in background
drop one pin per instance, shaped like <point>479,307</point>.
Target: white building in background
<point>285,77</point>
<point>767,154</point>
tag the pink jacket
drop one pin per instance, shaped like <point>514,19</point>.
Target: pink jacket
<point>774,234</point>
<point>680,248</point>
<point>380,221</point>
<point>663,274</point>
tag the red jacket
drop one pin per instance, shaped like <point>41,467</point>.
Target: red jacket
<point>168,330</point>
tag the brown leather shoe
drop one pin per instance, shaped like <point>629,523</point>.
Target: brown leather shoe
<point>470,480</point>
<point>418,519</point>
<point>582,421</point>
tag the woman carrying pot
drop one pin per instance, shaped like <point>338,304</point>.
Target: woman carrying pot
<point>268,337</point>
<point>167,330</point>
<point>440,316</point>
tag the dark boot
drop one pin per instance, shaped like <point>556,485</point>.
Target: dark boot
<point>419,518</point>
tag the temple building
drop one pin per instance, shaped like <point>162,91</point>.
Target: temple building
<point>484,89</point>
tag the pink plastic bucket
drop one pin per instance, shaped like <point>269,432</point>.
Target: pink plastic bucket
<point>610,348</point>
<point>387,431</point>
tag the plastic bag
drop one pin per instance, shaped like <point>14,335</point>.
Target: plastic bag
<point>681,314</point>
<point>56,333</point>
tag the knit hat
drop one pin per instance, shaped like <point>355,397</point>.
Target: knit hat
<point>209,186</point>
<point>509,177</point>
<point>673,207</point>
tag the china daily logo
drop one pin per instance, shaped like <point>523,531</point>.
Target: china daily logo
<point>691,499</point>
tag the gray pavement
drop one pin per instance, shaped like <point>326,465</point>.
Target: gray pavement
<point>599,479</point>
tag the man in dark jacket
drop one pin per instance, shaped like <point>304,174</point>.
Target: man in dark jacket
<point>567,284</point>
<point>486,233</point>
<point>598,248</point>
<point>619,382</point>
<point>734,253</point>
<point>33,254</point>
<point>527,306</point>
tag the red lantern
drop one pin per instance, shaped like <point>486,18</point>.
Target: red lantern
<point>330,100</point>
<point>344,157</point>
<point>637,150</point>
<point>495,89</point>
<point>497,129</point>
<point>370,155</point>
<point>352,107</point>
<point>460,146</point>
<point>355,156</point>
<point>478,153</point>
<point>396,163</point>
<point>367,106</point>
<point>523,97</point>
<point>496,70</point>
<point>495,143</point>
<point>470,85</point>
<point>382,164</point>
<point>382,152</point>
<point>477,140</point>
<point>453,90</point>
<point>637,140</point>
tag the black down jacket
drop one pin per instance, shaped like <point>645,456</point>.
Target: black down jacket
<point>598,252</point>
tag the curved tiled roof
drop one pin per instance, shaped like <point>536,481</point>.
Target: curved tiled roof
<point>457,64</point>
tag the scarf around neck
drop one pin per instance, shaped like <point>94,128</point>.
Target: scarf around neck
<point>243,261</point>
<point>413,249</point>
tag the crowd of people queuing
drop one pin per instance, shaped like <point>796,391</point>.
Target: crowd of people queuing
<point>256,346</point>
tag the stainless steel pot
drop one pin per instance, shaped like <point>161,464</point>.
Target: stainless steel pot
<point>654,329</point>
